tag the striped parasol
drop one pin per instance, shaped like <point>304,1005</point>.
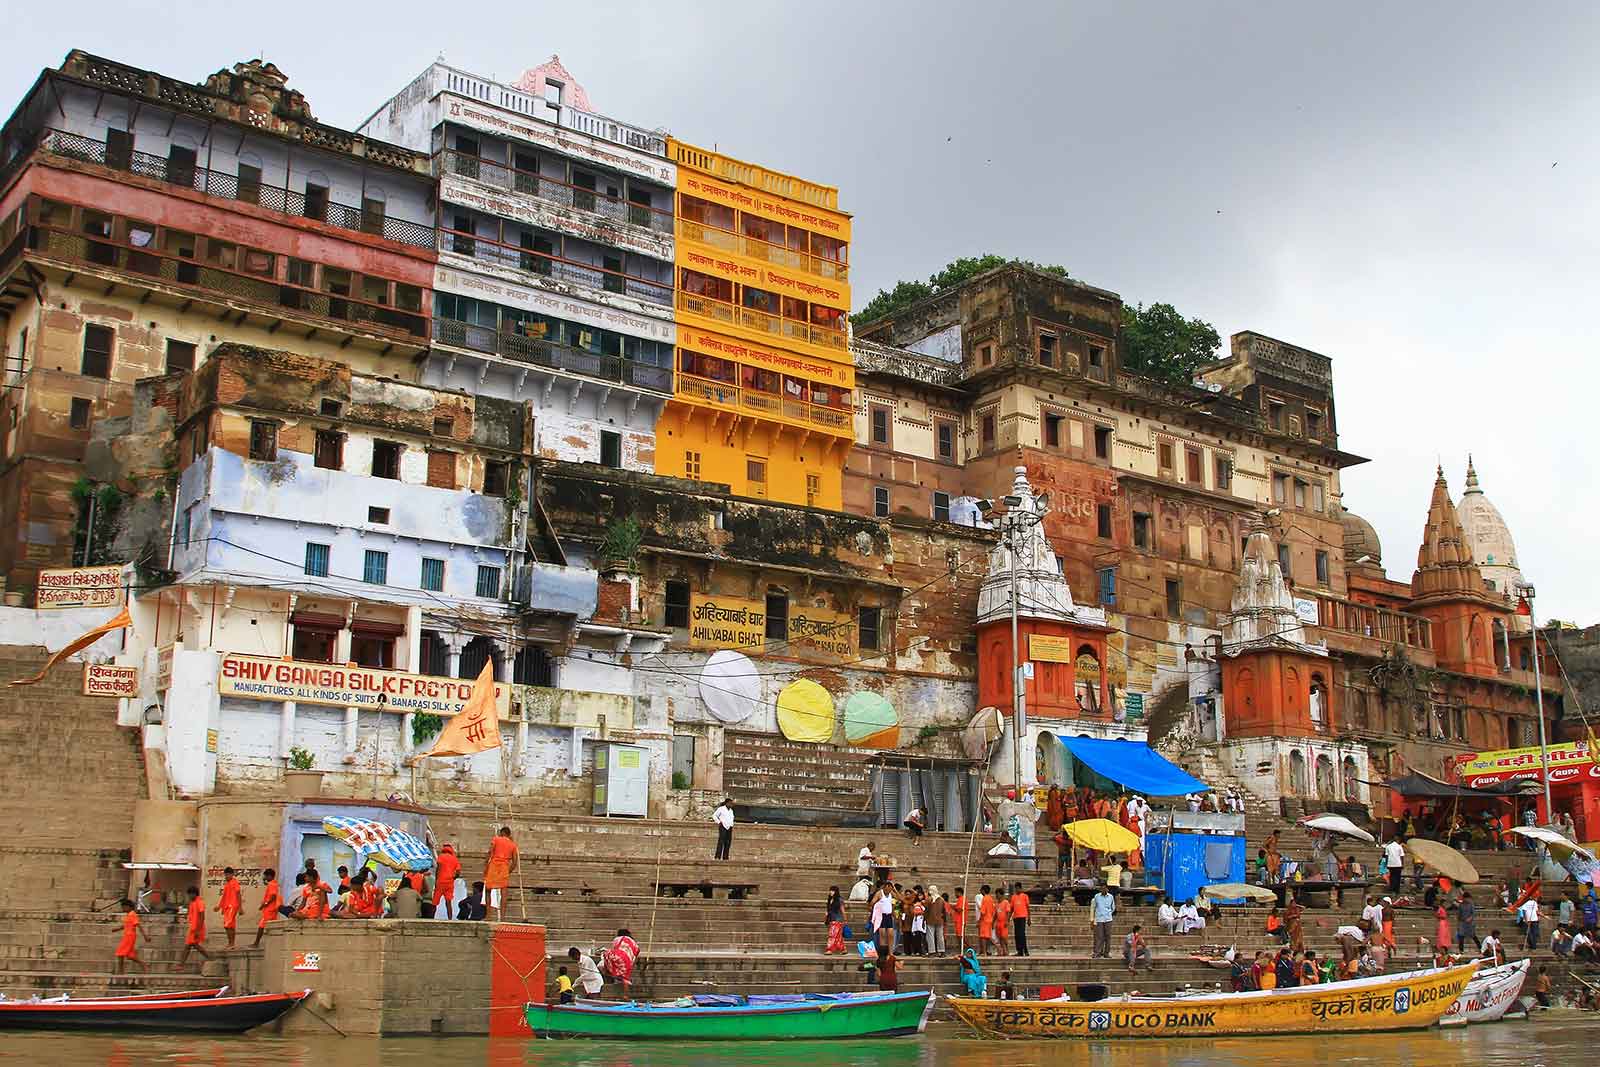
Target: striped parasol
<point>389,845</point>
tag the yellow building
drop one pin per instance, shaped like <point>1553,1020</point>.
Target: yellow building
<point>764,390</point>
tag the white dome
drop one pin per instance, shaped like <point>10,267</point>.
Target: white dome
<point>1486,531</point>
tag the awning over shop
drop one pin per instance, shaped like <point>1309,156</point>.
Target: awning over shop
<point>1133,764</point>
<point>1420,785</point>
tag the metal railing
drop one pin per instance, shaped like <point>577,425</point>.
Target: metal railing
<point>555,191</point>
<point>517,257</point>
<point>755,248</point>
<point>725,394</point>
<point>232,187</point>
<point>524,349</point>
<point>260,289</point>
<point>791,329</point>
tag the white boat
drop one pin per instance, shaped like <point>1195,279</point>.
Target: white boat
<point>1489,995</point>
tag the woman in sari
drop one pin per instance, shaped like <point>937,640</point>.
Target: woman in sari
<point>972,979</point>
<point>1055,811</point>
<point>835,922</point>
<point>1297,933</point>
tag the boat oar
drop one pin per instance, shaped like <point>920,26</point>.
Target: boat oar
<point>317,1016</point>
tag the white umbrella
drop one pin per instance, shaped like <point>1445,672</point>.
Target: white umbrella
<point>1336,824</point>
<point>1558,843</point>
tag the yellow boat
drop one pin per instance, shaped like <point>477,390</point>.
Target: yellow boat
<point>1409,1001</point>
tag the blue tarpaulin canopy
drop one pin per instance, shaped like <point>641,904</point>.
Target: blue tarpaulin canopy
<point>1135,765</point>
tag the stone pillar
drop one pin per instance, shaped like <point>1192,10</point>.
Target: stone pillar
<point>502,662</point>
<point>286,729</point>
<point>413,639</point>
<point>407,721</point>
<point>351,718</point>
<point>453,644</point>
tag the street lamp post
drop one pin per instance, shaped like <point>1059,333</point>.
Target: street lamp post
<point>1013,522</point>
<point>1525,590</point>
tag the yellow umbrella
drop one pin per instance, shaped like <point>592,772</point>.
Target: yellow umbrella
<point>1102,835</point>
<point>1443,859</point>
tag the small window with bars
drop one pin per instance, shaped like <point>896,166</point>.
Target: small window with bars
<point>317,559</point>
<point>433,574</point>
<point>488,581</point>
<point>375,569</point>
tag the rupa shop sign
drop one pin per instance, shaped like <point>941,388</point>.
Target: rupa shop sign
<point>348,686</point>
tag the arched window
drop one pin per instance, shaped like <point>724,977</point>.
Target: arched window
<point>1325,783</point>
<point>1088,682</point>
<point>479,651</point>
<point>1319,704</point>
<point>1297,773</point>
<point>1352,780</point>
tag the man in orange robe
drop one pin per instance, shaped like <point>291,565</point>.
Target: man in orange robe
<point>230,904</point>
<point>497,870</point>
<point>128,947</point>
<point>271,901</point>
<point>194,939</point>
<point>444,882</point>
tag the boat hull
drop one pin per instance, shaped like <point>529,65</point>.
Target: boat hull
<point>207,1014</point>
<point>835,1016</point>
<point>1409,1001</point>
<point>1491,993</point>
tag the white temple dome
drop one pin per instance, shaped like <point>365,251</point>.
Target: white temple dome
<point>1486,531</point>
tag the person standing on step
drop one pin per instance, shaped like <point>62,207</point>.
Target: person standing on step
<point>986,912</point>
<point>444,882</point>
<point>231,903</point>
<point>194,938</point>
<point>1020,904</point>
<point>1394,858</point>
<point>864,861</point>
<point>1002,922</point>
<point>723,817</point>
<point>835,922</point>
<point>128,947</point>
<point>958,915</point>
<point>498,868</point>
<point>271,901</point>
<point>1102,908</point>
<point>938,913</point>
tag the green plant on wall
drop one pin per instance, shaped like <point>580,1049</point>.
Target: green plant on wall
<point>97,525</point>
<point>424,726</point>
<point>621,543</point>
<point>513,501</point>
<point>300,759</point>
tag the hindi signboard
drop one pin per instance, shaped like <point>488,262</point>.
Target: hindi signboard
<point>1568,761</point>
<point>109,680</point>
<point>79,587</point>
<point>829,632</point>
<point>1048,648</point>
<point>726,622</point>
<point>347,686</point>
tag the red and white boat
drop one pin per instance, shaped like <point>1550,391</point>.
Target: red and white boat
<point>1489,995</point>
<point>202,1011</point>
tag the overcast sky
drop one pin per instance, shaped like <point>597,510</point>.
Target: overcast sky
<point>1409,189</point>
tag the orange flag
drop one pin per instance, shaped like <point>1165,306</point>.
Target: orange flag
<point>78,645</point>
<point>475,727</point>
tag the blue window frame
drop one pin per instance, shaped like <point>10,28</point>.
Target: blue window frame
<point>376,568</point>
<point>316,559</point>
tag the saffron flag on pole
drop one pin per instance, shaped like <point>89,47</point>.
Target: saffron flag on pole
<point>476,727</point>
<point>78,645</point>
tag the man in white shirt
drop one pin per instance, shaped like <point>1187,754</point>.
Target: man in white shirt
<point>1583,946</point>
<point>1167,916</point>
<point>864,861</point>
<point>1529,914</point>
<point>1372,916</point>
<point>723,817</point>
<point>882,920</point>
<point>1491,950</point>
<point>1194,801</point>
<point>1189,918</point>
<point>589,979</point>
<point>1394,857</point>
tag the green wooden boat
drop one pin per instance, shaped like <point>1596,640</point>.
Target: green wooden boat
<point>735,1018</point>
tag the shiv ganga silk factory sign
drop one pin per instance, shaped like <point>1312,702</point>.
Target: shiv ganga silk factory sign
<point>347,686</point>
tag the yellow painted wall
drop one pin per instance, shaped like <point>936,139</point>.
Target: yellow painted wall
<point>725,443</point>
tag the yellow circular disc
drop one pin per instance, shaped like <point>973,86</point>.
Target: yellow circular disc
<point>805,712</point>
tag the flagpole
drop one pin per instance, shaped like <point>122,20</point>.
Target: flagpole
<point>1538,694</point>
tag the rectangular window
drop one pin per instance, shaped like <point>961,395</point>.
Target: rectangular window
<point>316,201</point>
<point>941,507</point>
<point>1283,563</point>
<point>777,616</point>
<point>1108,586</point>
<point>1224,473</point>
<point>1164,456</point>
<point>1097,361</point>
<point>691,465</point>
<point>986,355</point>
<point>988,431</point>
<point>375,569</point>
<point>444,426</point>
<point>1192,469</point>
<point>329,450</point>
<point>188,523</point>
<point>81,409</point>
<point>263,439</point>
<point>1047,350</point>
<point>868,624</point>
<point>1141,530</point>
<point>488,581</point>
<point>1102,442</point>
<point>755,473</point>
<point>1052,431</point>
<point>97,341</point>
<point>1280,488</point>
<point>677,613</point>
<point>378,516</point>
<point>1300,493</point>
<point>441,469</point>
<point>610,448</point>
<point>682,761</point>
<point>1275,414</point>
<point>317,559</point>
<point>119,148</point>
<point>496,476</point>
<point>1102,521</point>
<point>180,356</point>
<point>947,440</point>
<point>181,165</point>
<point>386,459</point>
<point>879,417</point>
<point>1322,568</point>
<point>249,189</point>
<point>330,408</point>
<point>433,574</point>
<point>813,489</point>
<point>1313,423</point>
<point>880,501</point>
<point>1316,496</point>
<point>1174,598</point>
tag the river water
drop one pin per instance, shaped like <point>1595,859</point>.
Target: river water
<point>1557,1037</point>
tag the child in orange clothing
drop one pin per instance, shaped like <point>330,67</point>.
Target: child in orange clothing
<point>271,901</point>
<point>230,904</point>
<point>194,940</point>
<point>128,947</point>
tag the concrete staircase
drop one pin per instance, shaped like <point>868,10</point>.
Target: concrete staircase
<point>768,770</point>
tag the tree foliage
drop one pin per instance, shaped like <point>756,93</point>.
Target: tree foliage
<point>1158,342</point>
<point>954,273</point>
